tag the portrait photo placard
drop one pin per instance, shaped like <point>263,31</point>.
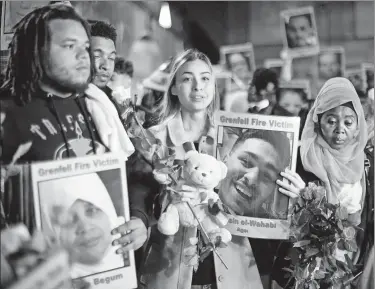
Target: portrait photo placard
<point>77,203</point>
<point>12,12</point>
<point>240,61</point>
<point>299,86</point>
<point>331,62</point>
<point>256,149</point>
<point>274,64</point>
<point>299,31</point>
<point>307,68</point>
<point>223,83</point>
<point>355,76</point>
<point>367,76</point>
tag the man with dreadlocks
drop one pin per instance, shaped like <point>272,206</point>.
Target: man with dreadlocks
<point>51,105</point>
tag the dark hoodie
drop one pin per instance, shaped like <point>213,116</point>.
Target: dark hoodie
<point>57,127</point>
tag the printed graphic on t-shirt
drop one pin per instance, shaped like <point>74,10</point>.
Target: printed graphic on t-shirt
<point>74,128</point>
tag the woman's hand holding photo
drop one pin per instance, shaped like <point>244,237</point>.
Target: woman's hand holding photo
<point>294,188</point>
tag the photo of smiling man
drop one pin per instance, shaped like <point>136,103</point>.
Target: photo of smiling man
<point>79,214</point>
<point>254,164</point>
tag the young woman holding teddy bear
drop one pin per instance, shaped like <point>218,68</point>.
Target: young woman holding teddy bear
<point>187,116</point>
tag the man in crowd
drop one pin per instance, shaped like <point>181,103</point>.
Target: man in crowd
<point>103,43</point>
<point>46,90</point>
<point>104,38</point>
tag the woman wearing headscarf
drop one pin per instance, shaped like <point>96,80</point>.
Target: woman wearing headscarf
<point>333,143</point>
<point>332,154</point>
<point>79,214</point>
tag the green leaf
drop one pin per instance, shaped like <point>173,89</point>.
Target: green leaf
<point>326,265</point>
<point>316,211</point>
<point>294,255</point>
<point>341,265</point>
<point>305,229</point>
<point>351,245</point>
<point>330,206</point>
<point>313,285</point>
<point>332,262</point>
<point>339,224</point>
<point>342,213</point>
<point>311,252</point>
<point>300,202</point>
<point>349,262</point>
<point>304,217</point>
<point>341,244</point>
<point>301,243</point>
<point>164,201</point>
<point>316,284</point>
<point>311,266</point>
<point>319,274</point>
<point>299,273</point>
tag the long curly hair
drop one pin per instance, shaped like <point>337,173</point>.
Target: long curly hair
<point>31,36</point>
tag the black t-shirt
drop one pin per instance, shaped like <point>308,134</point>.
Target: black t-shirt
<point>57,128</point>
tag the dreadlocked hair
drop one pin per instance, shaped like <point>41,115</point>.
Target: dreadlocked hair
<point>31,36</point>
<point>105,30</point>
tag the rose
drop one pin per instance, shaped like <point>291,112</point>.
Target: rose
<point>121,94</point>
<point>350,200</point>
<point>342,213</point>
<point>349,233</point>
<point>318,192</point>
<point>307,194</point>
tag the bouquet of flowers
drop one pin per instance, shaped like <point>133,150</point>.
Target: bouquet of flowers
<point>323,240</point>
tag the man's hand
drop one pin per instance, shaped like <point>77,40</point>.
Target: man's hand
<point>134,235</point>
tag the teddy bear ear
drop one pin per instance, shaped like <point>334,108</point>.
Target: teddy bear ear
<point>189,154</point>
<point>224,170</point>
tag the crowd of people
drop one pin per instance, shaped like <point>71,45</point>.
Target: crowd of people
<point>63,75</point>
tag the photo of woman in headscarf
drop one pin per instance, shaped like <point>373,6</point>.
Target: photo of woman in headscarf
<point>79,214</point>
